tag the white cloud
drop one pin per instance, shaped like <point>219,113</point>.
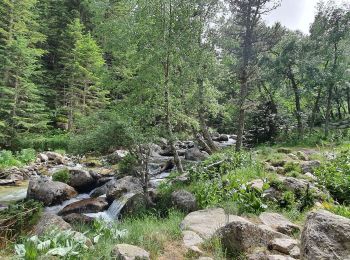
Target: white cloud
<point>296,14</point>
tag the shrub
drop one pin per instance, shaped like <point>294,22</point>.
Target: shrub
<point>9,159</point>
<point>61,175</point>
<point>337,209</point>
<point>335,176</point>
<point>292,167</point>
<point>98,133</point>
<point>18,218</point>
<point>128,164</point>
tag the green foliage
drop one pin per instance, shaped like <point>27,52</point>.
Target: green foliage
<point>127,165</point>
<point>61,175</point>
<point>21,104</point>
<point>225,183</point>
<point>66,244</point>
<point>100,132</point>
<point>50,141</point>
<point>9,159</point>
<point>18,218</point>
<point>338,209</point>
<point>151,232</point>
<point>335,176</point>
<point>292,167</point>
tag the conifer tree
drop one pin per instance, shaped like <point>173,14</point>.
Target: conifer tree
<point>21,106</point>
<point>83,71</point>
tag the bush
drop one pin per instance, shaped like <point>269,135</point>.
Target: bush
<point>17,219</point>
<point>98,133</point>
<point>61,175</point>
<point>9,159</point>
<point>338,209</point>
<point>51,140</point>
<point>127,165</point>
<point>335,176</point>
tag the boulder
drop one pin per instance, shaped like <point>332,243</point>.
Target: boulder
<point>184,200</point>
<point>194,154</point>
<point>49,221</point>
<point>325,236</point>
<point>81,180</point>
<point>206,222</point>
<point>76,218</point>
<point>117,156</point>
<point>310,166</point>
<point>93,205</point>
<point>256,184</point>
<point>294,184</point>
<point>102,190</point>
<point>221,138</point>
<point>125,185</point>
<point>55,157</point>
<point>279,223</point>
<point>42,158</point>
<point>166,152</point>
<point>286,246</point>
<point>244,236</point>
<point>132,203</point>
<point>192,241</point>
<point>129,252</point>
<point>49,192</point>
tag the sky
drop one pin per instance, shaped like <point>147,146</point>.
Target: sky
<point>295,14</point>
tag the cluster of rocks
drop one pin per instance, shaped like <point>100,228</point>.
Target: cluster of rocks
<point>325,235</point>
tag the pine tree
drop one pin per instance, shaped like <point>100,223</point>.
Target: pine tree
<point>21,107</point>
<point>83,71</point>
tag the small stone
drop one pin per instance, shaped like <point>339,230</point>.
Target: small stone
<point>256,184</point>
<point>129,252</point>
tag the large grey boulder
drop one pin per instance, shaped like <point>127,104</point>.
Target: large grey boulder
<point>325,236</point>
<point>194,154</point>
<point>129,252</point>
<point>93,205</point>
<point>81,180</point>
<point>49,221</point>
<point>49,192</point>
<point>102,190</point>
<point>205,222</point>
<point>128,184</point>
<point>278,223</point>
<point>184,200</point>
<point>244,236</point>
<point>53,156</point>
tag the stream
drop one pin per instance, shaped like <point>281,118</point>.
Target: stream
<point>10,194</point>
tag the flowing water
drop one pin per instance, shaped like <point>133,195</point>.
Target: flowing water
<point>55,209</point>
<point>112,213</point>
<point>10,194</point>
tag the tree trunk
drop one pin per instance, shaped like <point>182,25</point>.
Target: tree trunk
<point>298,111</point>
<point>328,110</point>
<point>201,112</point>
<point>315,109</point>
<point>177,159</point>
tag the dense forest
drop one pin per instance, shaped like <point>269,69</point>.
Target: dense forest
<point>92,69</point>
<point>121,119</point>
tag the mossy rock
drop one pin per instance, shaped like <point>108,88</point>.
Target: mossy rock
<point>284,150</point>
